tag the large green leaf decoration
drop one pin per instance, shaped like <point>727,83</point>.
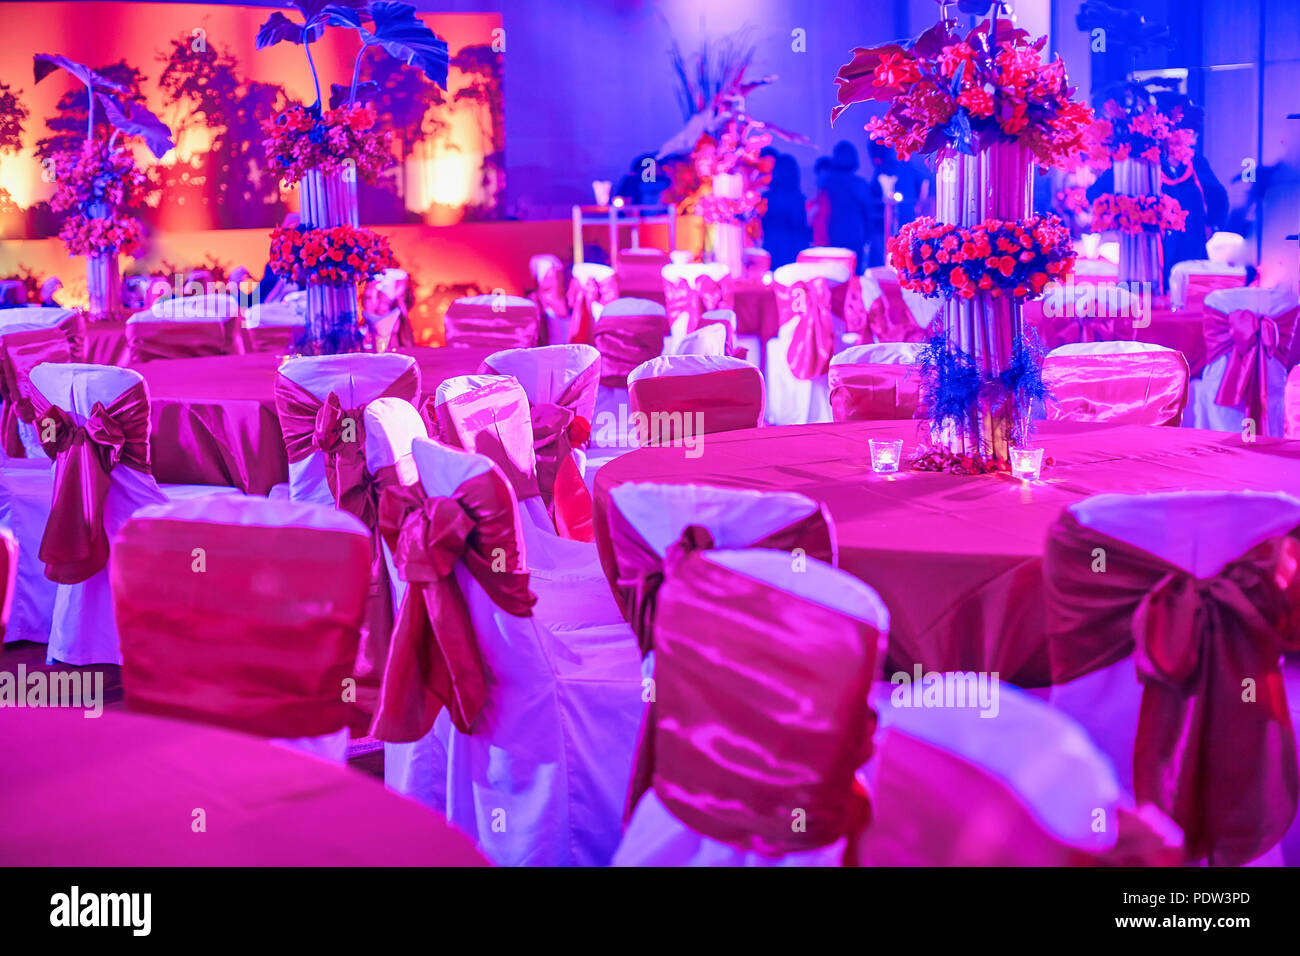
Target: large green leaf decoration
<point>405,37</point>
<point>134,120</point>
<point>43,64</point>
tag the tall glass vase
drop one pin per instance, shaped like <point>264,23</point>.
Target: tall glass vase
<point>1141,256</point>
<point>104,285</point>
<point>729,238</point>
<point>996,183</point>
<point>328,198</point>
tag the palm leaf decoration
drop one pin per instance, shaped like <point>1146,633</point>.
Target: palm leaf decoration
<point>127,116</point>
<point>394,27</point>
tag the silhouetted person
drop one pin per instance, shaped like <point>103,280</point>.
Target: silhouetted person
<point>633,187</point>
<point>849,199</point>
<point>819,209</point>
<point>785,223</point>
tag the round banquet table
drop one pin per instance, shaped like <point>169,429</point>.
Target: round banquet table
<point>213,420</point>
<point>121,790</point>
<point>957,559</point>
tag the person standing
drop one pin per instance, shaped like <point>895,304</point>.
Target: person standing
<point>848,197</point>
<point>785,221</point>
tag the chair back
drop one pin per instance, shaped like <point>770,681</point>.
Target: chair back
<point>875,382</point>
<point>694,395</point>
<point>492,320</point>
<point>1197,602</point>
<point>241,612</point>
<point>1131,383</point>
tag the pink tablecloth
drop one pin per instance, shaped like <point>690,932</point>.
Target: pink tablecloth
<point>214,422</point>
<point>122,790</point>
<point>958,559</point>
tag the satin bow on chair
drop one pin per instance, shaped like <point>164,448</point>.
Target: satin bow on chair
<point>642,587</point>
<point>557,430</point>
<point>339,434</point>
<point>434,659</point>
<point>812,343</point>
<point>1214,747</point>
<point>20,352</point>
<point>75,545</point>
<point>1249,339</point>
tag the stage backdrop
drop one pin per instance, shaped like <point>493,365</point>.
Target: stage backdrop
<point>195,65</point>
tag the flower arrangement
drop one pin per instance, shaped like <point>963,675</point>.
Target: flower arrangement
<point>1135,129</point>
<point>1138,214</point>
<point>335,256</point>
<point>950,93</point>
<point>998,257</point>
<point>303,138</point>
<point>85,236</point>
<point>734,149</point>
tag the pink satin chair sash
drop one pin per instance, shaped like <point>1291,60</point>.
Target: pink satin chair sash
<point>624,342</point>
<point>1223,769</point>
<point>583,294</point>
<point>271,631</point>
<point>1133,388</point>
<point>271,338</point>
<point>149,341</point>
<point>760,711</point>
<point>931,807</point>
<point>494,420</point>
<point>75,544</point>
<point>727,400</point>
<point>491,326</point>
<point>550,295</point>
<point>1250,340</point>
<point>311,425</point>
<point>434,659</point>
<point>1200,285</point>
<point>20,352</point>
<point>808,304</point>
<point>889,318</point>
<point>869,392</point>
<point>637,571</point>
<point>705,295</point>
<point>557,430</point>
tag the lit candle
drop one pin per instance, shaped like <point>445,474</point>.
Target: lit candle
<point>885,455</point>
<point>1027,463</point>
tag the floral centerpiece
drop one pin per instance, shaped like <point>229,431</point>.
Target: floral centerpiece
<point>1137,141</point>
<point>715,163</point>
<point>1138,215</point>
<point>987,105</point>
<point>325,151</point>
<point>99,185</point>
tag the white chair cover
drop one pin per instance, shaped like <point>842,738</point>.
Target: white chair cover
<point>542,779</point>
<point>82,627</point>
<point>26,488</point>
<point>706,340</point>
<point>1062,781</point>
<point>610,434</point>
<point>273,315</point>
<point>1198,532</point>
<point>1205,411</point>
<point>254,511</point>
<point>654,836</point>
<point>553,304</point>
<point>1183,275</point>
<point>358,379</point>
<point>879,353</point>
<point>208,307</point>
<point>791,400</point>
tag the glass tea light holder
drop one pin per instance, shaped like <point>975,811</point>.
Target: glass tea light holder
<point>1027,463</point>
<point>885,455</point>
